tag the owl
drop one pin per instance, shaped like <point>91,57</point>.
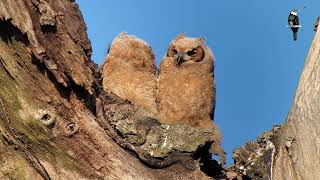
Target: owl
<point>129,72</point>
<point>186,89</point>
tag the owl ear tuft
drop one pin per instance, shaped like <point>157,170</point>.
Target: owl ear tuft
<point>122,34</point>
<point>180,36</point>
<point>202,39</point>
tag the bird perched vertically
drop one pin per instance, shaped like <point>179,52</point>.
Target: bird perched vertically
<point>293,21</point>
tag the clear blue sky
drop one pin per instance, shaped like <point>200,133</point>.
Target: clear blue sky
<point>257,63</point>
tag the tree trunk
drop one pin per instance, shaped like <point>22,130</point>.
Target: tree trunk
<point>48,91</point>
<point>50,109</point>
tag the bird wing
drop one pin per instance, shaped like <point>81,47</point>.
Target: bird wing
<point>296,20</point>
<point>290,18</point>
<point>293,20</point>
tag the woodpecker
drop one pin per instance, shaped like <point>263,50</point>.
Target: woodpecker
<point>293,21</point>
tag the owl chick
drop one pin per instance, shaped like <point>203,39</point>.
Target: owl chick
<point>186,90</point>
<point>129,72</point>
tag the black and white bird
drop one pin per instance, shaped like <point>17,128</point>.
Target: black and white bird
<point>293,21</point>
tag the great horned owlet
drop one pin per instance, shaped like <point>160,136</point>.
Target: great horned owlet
<point>130,72</point>
<point>186,90</point>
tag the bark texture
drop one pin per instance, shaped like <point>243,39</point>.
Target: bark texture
<point>52,116</point>
<point>49,97</point>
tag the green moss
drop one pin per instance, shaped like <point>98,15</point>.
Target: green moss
<point>17,173</point>
<point>15,94</point>
<point>35,131</point>
<point>56,157</point>
<point>13,168</point>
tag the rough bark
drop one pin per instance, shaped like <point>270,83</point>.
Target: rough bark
<point>52,124</point>
<point>49,95</point>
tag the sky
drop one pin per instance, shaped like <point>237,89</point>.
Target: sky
<point>257,64</point>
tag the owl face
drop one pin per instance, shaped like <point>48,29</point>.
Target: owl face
<point>184,50</point>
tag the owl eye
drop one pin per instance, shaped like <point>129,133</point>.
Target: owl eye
<point>174,51</point>
<point>192,52</point>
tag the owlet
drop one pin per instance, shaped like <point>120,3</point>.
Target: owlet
<point>186,90</point>
<point>130,72</point>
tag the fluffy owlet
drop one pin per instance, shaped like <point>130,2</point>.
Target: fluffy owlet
<point>186,91</point>
<point>130,72</point>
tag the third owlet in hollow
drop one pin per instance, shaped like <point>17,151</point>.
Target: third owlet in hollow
<point>186,90</point>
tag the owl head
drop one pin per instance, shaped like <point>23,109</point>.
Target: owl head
<point>187,50</point>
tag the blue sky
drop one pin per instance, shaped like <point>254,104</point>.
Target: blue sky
<point>257,63</point>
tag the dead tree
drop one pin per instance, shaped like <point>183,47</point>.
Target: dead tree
<point>49,126</point>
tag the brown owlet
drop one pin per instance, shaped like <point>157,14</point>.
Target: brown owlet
<point>130,72</point>
<point>186,90</point>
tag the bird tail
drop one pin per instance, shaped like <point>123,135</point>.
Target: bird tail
<point>295,36</point>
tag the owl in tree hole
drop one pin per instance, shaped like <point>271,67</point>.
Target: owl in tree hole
<point>186,90</point>
<point>130,72</point>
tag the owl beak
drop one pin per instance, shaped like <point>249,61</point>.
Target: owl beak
<point>179,58</point>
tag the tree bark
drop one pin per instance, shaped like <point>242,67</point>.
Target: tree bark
<point>51,125</point>
<point>48,93</point>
